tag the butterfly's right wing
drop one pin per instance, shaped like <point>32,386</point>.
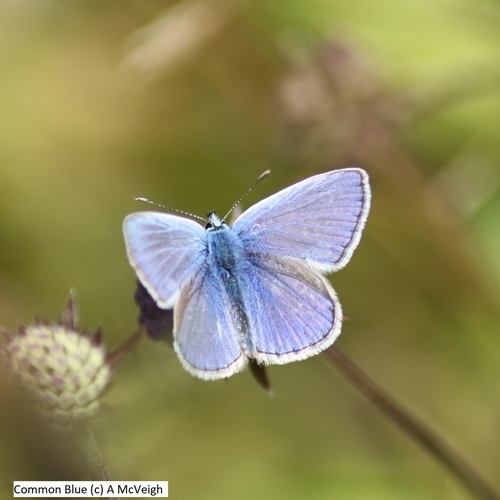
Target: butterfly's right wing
<point>165,251</point>
<point>205,331</point>
<point>319,219</point>
<point>292,311</point>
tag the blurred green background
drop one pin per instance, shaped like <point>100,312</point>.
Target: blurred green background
<point>186,103</point>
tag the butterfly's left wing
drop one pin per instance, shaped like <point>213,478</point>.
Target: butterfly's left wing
<point>319,219</point>
<point>293,312</point>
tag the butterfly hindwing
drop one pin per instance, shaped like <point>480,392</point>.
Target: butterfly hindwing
<point>293,312</point>
<point>205,330</point>
<point>319,219</point>
<point>165,250</point>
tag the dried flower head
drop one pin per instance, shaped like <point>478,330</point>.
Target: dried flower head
<point>64,369</point>
<point>158,323</point>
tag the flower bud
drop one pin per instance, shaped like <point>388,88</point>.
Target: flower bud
<point>65,370</point>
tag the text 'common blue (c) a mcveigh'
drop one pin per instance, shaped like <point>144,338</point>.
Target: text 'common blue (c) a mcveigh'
<point>253,291</point>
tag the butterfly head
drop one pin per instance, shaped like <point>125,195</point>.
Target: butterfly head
<point>213,221</point>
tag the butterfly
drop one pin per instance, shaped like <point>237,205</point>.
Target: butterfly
<point>254,291</point>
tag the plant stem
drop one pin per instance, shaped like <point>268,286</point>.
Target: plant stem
<point>91,454</point>
<point>469,478</point>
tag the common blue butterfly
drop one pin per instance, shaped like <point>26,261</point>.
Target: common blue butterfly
<point>254,291</point>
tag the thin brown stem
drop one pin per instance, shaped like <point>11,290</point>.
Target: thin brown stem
<point>91,454</point>
<point>399,415</point>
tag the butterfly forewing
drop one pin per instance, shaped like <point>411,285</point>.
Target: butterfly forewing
<point>165,251</point>
<point>319,219</point>
<point>292,310</point>
<point>205,331</point>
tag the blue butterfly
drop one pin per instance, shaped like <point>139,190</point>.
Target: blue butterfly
<point>254,291</point>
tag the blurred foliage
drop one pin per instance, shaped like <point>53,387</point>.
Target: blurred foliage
<point>104,101</point>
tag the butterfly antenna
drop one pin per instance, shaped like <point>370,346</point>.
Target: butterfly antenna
<point>149,202</point>
<point>261,176</point>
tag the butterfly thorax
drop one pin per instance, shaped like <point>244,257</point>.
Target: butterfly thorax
<point>225,250</point>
